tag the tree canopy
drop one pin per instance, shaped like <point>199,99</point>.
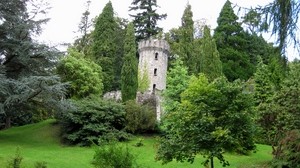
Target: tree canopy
<point>211,118</point>
<point>129,74</point>
<point>26,68</point>
<point>146,18</point>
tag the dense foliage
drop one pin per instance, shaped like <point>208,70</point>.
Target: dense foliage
<point>104,46</point>
<point>139,118</point>
<point>26,78</point>
<point>231,44</point>
<point>93,119</point>
<point>211,118</point>
<point>146,18</point>
<point>210,64</point>
<point>113,155</point>
<point>129,73</point>
<point>84,76</point>
<point>177,81</point>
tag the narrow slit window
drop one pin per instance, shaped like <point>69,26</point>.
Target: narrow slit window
<point>156,56</point>
<point>154,87</point>
<point>155,72</point>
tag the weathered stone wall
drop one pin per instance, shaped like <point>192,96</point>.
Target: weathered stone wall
<point>154,60</point>
<point>154,57</point>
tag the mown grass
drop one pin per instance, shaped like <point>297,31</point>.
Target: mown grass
<point>40,142</point>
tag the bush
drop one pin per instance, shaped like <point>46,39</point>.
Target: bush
<point>93,118</point>
<point>113,155</point>
<point>40,164</point>
<point>15,162</point>
<point>140,118</point>
<point>287,153</point>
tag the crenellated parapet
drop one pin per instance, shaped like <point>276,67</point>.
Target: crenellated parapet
<point>154,44</point>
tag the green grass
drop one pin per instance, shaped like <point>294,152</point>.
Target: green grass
<point>40,142</point>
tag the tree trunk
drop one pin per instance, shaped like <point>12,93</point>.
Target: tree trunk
<point>211,162</point>
<point>7,122</point>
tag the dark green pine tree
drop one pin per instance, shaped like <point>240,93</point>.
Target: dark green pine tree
<point>211,64</point>
<point>186,40</point>
<point>27,82</point>
<point>104,47</point>
<point>232,45</point>
<point>129,74</point>
<point>146,18</point>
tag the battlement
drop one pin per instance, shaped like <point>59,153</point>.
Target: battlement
<point>154,44</point>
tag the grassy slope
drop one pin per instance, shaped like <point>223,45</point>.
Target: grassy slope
<point>40,142</point>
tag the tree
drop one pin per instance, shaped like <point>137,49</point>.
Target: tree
<point>282,17</point>
<point>82,44</point>
<point>211,64</point>
<point>286,123</point>
<point>264,90</point>
<point>84,76</point>
<point>232,44</point>
<point>211,118</point>
<point>129,74</point>
<point>177,81</point>
<point>26,76</point>
<point>186,40</point>
<point>104,47</point>
<point>146,18</point>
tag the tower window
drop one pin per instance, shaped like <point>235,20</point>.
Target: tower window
<point>155,72</point>
<point>156,56</point>
<point>154,87</point>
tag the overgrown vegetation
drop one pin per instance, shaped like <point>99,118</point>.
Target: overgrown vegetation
<point>211,115</point>
<point>91,119</point>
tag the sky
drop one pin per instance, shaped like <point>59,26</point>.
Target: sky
<point>65,15</point>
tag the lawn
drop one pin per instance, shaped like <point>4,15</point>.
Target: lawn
<point>40,142</point>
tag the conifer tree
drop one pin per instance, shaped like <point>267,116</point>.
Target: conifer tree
<point>145,21</point>
<point>26,76</point>
<point>104,47</point>
<point>211,64</point>
<point>177,82</point>
<point>232,45</point>
<point>129,74</point>
<point>186,40</point>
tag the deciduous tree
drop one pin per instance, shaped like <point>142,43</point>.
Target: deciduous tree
<point>84,76</point>
<point>211,118</point>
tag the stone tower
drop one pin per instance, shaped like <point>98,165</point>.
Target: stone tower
<point>153,60</point>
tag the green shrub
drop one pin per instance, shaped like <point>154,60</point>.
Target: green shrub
<point>287,153</point>
<point>93,118</point>
<point>40,164</point>
<point>140,118</point>
<point>113,155</point>
<point>15,162</point>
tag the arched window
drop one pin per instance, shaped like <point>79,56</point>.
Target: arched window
<point>155,72</point>
<point>156,56</point>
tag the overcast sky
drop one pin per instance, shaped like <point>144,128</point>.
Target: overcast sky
<point>66,14</point>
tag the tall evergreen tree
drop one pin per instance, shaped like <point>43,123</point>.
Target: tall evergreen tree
<point>231,44</point>
<point>211,64</point>
<point>146,18</point>
<point>129,74</point>
<point>186,40</point>
<point>177,82</point>
<point>26,79</point>
<point>104,47</point>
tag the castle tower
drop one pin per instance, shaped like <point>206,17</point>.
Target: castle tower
<point>153,60</point>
